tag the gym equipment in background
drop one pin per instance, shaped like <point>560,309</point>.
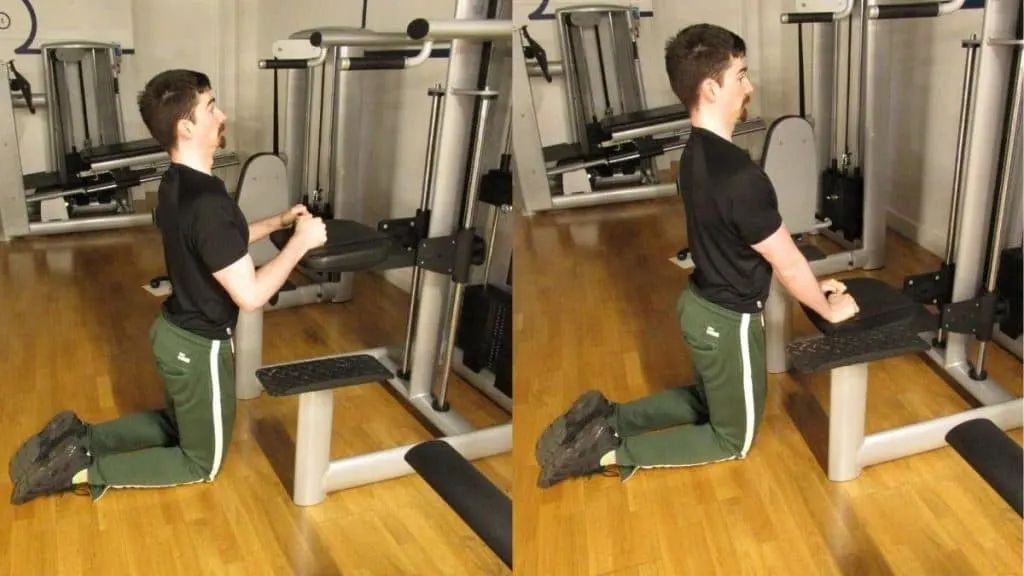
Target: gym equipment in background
<point>94,169</point>
<point>441,252</point>
<point>615,137</point>
<point>894,322</point>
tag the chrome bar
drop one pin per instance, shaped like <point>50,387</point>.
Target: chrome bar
<point>93,224</point>
<point>680,126</point>
<point>423,29</point>
<point>38,100</point>
<point>220,160</point>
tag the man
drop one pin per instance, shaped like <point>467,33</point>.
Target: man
<point>737,241</point>
<point>205,239</point>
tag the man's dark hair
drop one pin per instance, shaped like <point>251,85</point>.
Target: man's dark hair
<point>168,98</point>
<point>697,53</point>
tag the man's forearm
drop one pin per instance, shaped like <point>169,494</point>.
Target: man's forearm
<point>799,280</point>
<point>272,275</point>
<point>263,228</point>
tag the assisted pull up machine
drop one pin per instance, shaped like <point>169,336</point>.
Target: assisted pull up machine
<point>615,137</point>
<point>440,244</point>
<point>968,302</point>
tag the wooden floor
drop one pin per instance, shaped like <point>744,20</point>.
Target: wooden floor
<point>595,308</point>
<point>73,335</point>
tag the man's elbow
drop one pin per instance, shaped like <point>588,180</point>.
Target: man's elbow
<point>248,305</point>
<point>246,300</point>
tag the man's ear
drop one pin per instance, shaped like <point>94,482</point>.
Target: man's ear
<point>184,129</point>
<point>709,89</point>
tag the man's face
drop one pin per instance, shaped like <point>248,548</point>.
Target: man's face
<point>206,130</point>
<point>733,94</point>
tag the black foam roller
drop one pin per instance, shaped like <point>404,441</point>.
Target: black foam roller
<point>994,456</point>
<point>480,504</point>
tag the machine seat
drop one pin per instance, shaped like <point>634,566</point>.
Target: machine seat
<point>351,247</point>
<point>644,118</point>
<point>109,152</point>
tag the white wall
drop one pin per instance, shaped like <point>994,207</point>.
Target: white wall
<point>226,39</point>
<point>926,63</point>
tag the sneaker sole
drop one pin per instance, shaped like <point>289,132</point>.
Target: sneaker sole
<point>25,489</point>
<point>587,407</point>
<point>555,472</point>
<point>30,451</point>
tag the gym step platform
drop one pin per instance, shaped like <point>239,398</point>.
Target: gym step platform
<point>819,353</point>
<point>888,325</point>
<point>322,374</point>
<point>810,251</point>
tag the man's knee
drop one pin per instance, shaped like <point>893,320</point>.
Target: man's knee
<point>204,464</point>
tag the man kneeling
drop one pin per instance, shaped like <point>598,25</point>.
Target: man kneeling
<point>737,241</point>
<point>205,239</point>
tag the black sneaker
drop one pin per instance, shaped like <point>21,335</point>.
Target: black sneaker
<point>581,456</point>
<point>591,404</point>
<point>65,424</point>
<point>54,474</point>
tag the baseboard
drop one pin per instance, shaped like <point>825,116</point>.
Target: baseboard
<point>930,240</point>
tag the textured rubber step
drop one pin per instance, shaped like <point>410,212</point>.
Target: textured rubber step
<point>840,349</point>
<point>810,251</point>
<point>321,374</point>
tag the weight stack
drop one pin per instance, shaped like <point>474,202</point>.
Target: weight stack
<point>842,202</point>
<point>1009,285</point>
<point>485,333</point>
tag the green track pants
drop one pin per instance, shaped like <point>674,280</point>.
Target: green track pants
<point>186,441</point>
<point>721,411</point>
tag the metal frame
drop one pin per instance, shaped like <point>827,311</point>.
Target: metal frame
<point>435,307</point>
<point>850,449</point>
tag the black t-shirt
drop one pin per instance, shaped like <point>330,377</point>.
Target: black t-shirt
<point>730,206</point>
<point>203,231</point>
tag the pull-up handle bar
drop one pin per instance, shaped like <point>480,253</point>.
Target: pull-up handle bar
<point>917,10</point>
<point>423,29</point>
<point>293,63</point>
<point>815,17</point>
<point>391,63</point>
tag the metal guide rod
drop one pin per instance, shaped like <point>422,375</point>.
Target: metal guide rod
<point>1009,154</point>
<point>486,96</point>
<point>336,96</point>
<point>429,167</point>
<point>966,105</point>
<point>423,29</point>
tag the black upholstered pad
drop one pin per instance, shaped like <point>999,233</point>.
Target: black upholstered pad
<point>109,152</point>
<point>880,305</point>
<point>644,118</point>
<point>351,246</point>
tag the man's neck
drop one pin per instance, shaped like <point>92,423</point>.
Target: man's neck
<point>713,123</point>
<point>196,160</point>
